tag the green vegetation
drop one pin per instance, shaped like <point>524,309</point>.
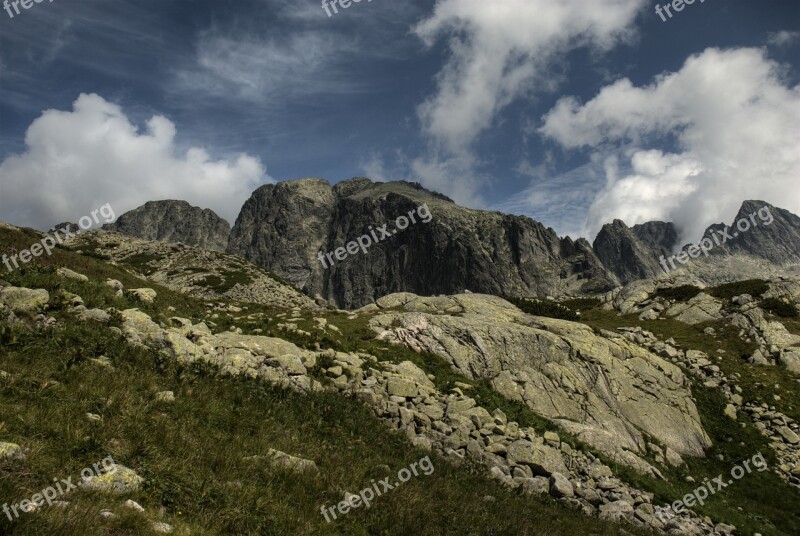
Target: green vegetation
<point>779,308</point>
<point>581,304</point>
<point>223,284</point>
<point>681,293</point>
<point>753,287</point>
<point>192,451</point>
<point>144,263</point>
<point>546,308</point>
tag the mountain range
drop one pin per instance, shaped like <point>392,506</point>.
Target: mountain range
<point>283,228</point>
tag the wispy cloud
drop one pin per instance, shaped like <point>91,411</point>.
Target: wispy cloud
<point>783,38</point>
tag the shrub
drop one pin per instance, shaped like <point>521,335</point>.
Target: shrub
<point>681,293</point>
<point>779,308</point>
<point>543,308</point>
<point>581,304</point>
<point>753,287</point>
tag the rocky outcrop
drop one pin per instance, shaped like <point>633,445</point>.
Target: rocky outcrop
<point>405,397</point>
<point>175,221</point>
<point>768,233</point>
<point>624,254</point>
<point>283,227</point>
<point>610,393</point>
<point>189,270</point>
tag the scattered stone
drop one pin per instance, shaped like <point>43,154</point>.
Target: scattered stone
<point>560,486</point>
<point>23,299</point>
<point>119,480</point>
<point>66,273</point>
<point>11,451</point>
<point>161,528</point>
<point>144,295</point>
<point>133,505</point>
<point>165,396</point>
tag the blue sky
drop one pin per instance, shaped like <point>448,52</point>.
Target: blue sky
<point>573,112</point>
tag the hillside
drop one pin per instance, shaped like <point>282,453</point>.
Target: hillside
<point>322,385</point>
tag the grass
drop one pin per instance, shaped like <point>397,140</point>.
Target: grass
<point>223,284</point>
<point>192,452</point>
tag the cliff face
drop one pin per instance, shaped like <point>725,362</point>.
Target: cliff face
<point>762,231</point>
<point>175,221</point>
<point>283,227</point>
<point>286,227</point>
<point>624,254</point>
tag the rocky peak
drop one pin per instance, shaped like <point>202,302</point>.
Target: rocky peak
<point>174,221</point>
<point>283,227</point>
<point>624,254</point>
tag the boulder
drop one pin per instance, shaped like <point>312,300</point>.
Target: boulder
<point>11,451</point>
<point>118,481</point>
<point>66,273</point>
<point>24,299</point>
<point>144,295</point>
<point>560,486</point>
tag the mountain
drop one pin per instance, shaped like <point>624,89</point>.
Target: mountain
<point>288,228</point>
<point>624,253</point>
<point>175,221</point>
<point>294,229</point>
<point>198,373</point>
<point>763,231</point>
<point>762,237</point>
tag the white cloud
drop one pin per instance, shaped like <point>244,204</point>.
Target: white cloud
<point>783,38</point>
<point>75,161</point>
<point>499,52</point>
<point>736,125</point>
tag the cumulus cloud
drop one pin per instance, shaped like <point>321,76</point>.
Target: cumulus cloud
<point>500,51</point>
<point>75,161</point>
<point>499,48</point>
<point>733,126</point>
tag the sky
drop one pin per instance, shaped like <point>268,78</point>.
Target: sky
<point>572,112</point>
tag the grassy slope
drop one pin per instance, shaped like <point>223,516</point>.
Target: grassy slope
<point>760,502</point>
<point>191,451</point>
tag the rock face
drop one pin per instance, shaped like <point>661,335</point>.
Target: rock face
<point>283,227</point>
<point>447,423</point>
<point>609,392</point>
<point>625,254</point>
<point>768,237</point>
<point>175,221</point>
<point>775,235</point>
